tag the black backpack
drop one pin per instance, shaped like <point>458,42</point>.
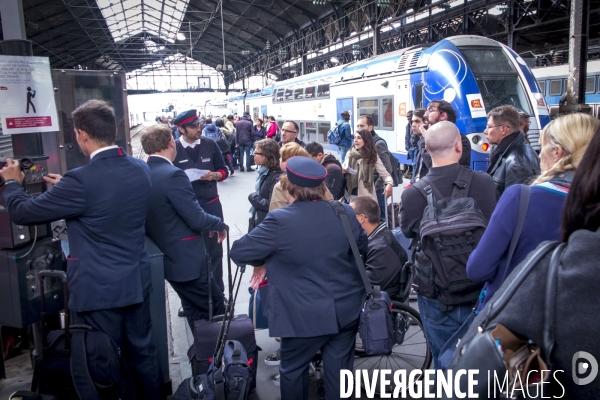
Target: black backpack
<point>396,169</point>
<point>450,230</point>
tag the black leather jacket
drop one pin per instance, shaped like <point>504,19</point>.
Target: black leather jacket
<point>261,200</point>
<point>519,164</point>
<point>385,258</point>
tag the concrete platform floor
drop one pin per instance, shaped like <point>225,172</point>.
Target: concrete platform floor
<point>233,194</point>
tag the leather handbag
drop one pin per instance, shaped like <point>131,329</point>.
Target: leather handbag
<point>376,327</point>
<point>252,222</point>
<point>496,350</point>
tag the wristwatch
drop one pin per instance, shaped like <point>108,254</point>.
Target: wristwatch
<point>215,177</point>
<point>9,181</point>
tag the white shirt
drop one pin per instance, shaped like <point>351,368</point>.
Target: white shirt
<point>103,149</point>
<point>186,144</point>
<point>156,155</point>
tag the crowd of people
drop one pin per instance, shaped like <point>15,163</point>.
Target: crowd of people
<point>315,296</point>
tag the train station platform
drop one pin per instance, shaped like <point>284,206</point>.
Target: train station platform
<point>233,194</point>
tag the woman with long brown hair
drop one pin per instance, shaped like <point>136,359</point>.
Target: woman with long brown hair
<point>360,165</point>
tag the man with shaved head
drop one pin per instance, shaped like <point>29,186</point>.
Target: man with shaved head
<point>443,143</point>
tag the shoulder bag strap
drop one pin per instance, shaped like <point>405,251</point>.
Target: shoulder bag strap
<point>84,385</point>
<point>523,206</point>
<point>550,304</point>
<point>341,212</point>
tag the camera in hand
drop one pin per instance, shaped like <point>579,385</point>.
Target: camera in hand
<point>33,173</point>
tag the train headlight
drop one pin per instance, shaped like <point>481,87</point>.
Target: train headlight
<point>475,139</point>
<point>485,146</point>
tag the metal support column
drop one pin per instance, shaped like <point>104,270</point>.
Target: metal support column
<point>304,61</point>
<point>510,24</point>
<point>574,99</point>
<point>15,44</point>
<point>376,39</point>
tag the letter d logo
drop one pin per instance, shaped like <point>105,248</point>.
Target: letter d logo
<point>582,367</point>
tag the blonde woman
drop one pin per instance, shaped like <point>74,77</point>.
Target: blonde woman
<point>360,165</point>
<point>279,198</point>
<point>563,142</point>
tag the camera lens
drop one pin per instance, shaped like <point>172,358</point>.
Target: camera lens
<point>26,163</point>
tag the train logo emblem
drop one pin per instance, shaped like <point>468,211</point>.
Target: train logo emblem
<point>476,103</point>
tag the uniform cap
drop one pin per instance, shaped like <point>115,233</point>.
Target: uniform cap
<point>304,171</point>
<point>188,117</point>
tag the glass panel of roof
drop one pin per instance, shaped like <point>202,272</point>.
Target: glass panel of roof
<point>127,18</point>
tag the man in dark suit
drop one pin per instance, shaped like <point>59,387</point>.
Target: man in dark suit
<point>203,154</point>
<point>108,268</point>
<point>175,222</point>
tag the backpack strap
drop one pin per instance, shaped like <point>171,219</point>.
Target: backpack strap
<point>430,192</point>
<point>341,212</point>
<point>84,385</point>
<point>462,184</point>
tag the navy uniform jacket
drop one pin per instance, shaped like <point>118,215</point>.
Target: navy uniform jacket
<point>175,220</point>
<point>210,158</point>
<point>105,205</point>
<point>314,284</point>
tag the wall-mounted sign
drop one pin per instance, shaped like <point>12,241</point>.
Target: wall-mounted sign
<point>26,95</point>
<point>203,82</point>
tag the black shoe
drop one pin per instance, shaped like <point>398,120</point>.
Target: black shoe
<point>241,169</point>
<point>181,313</point>
<point>231,172</point>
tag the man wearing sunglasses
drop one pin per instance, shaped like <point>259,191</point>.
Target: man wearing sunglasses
<point>512,160</point>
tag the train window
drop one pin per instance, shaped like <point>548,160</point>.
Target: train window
<point>274,96</point>
<point>323,90</point>
<point>289,94</point>
<point>387,106</point>
<point>324,127</point>
<point>369,107</point>
<point>310,132</point>
<point>280,95</point>
<point>309,93</point>
<point>485,61</point>
<point>298,94</point>
<point>555,87</point>
<point>503,90</point>
<point>542,85</point>
<point>419,95</point>
<point>590,84</point>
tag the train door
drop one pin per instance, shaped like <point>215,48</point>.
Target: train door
<point>263,111</point>
<point>254,113</point>
<point>345,104</point>
<point>405,103</point>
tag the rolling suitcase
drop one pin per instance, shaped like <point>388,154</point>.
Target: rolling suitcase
<point>78,362</point>
<point>206,332</point>
<point>393,222</point>
<point>231,372</point>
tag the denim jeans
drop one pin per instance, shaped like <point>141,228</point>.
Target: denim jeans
<point>342,151</point>
<point>245,152</point>
<point>440,325</point>
<point>381,201</point>
<point>413,154</point>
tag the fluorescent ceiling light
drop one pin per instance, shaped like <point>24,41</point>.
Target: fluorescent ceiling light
<point>128,18</point>
<point>180,36</point>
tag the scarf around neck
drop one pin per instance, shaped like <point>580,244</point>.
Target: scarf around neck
<point>501,148</point>
<point>364,172</point>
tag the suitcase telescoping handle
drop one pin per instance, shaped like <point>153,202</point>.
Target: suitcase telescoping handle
<point>62,275</point>
<point>229,310</point>
<point>387,218</point>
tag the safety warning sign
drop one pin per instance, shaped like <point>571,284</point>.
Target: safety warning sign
<point>26,95</point>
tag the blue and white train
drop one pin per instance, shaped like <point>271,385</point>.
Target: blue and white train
<point>475,74</point>
<point>553,82</point>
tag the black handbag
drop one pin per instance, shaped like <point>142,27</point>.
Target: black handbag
<point>376,327</point>
<point>252,222</point>
<point>496,351</point>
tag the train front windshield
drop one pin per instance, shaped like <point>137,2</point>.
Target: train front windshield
<point>497,78</point>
